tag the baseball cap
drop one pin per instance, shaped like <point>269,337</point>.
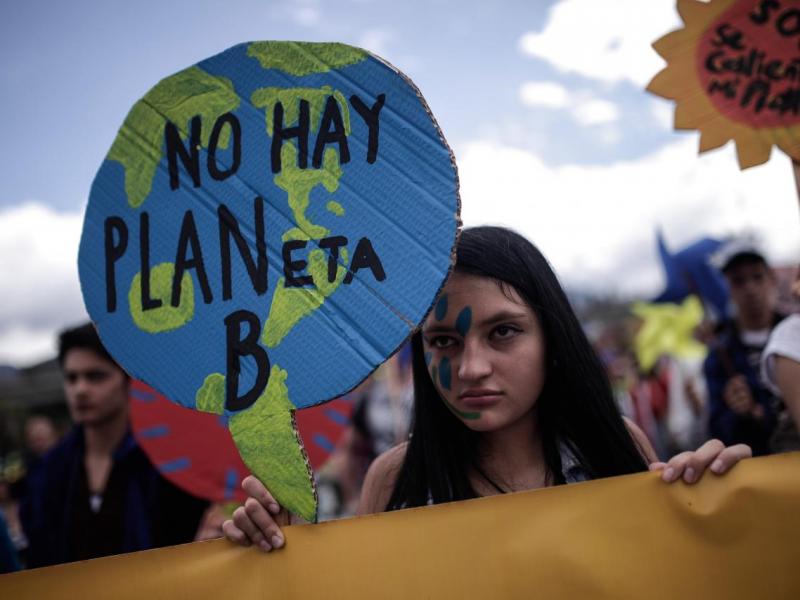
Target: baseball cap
<point>735,249</point>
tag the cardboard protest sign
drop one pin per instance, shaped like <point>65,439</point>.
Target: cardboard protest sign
<point>268,227</point>
<point>195,451</point>
<point>734,72</point>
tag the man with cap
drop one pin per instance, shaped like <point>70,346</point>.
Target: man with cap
<point>741,406</point>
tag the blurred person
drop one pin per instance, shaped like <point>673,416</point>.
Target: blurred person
<point>686,406</point>
<point>40,435</point>
<point>380,421</point>
<point>781,372</point>
<point>8,554</point>
<point>650,397</point>
<point>96,493</point>
<point>740,405</point>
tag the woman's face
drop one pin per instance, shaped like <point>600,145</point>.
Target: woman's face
<point>485,353</point>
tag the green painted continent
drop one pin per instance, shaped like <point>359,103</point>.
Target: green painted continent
<point>305,58</point>
<point>289,98</point>
<point>211,395</point>
<point>270,446</point>
<point>290,305</point>
<point>165,317</point>
<point>139,144</point>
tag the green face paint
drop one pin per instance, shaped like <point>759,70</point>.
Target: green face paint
<point>440,312</point>
<point>443,374</point>
<point>469,416</point>
<point>464,321</point>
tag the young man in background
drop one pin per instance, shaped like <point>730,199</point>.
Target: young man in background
<point>97,493</point>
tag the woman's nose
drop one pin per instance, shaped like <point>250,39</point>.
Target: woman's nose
<point>475,362</point>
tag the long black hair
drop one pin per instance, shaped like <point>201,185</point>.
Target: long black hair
<point>576,406</point>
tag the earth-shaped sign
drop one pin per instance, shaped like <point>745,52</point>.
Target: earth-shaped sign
<point>268,227</point>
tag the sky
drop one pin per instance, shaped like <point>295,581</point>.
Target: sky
<point>542,102</point>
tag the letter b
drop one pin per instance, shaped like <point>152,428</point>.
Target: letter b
<point>236,347</point>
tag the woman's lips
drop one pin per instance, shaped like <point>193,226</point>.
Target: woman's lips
<point>477,399</point>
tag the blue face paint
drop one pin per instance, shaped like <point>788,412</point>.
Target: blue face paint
<point>428,357</point>
<point>440,312</point>
<point>444,373</point>
<point>464,321</point>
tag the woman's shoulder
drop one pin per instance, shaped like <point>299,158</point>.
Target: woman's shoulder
<point>380,480</point>
<point>641,441</point>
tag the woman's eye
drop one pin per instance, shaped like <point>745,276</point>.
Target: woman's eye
<point>441,342</point>
<point>504,331</point>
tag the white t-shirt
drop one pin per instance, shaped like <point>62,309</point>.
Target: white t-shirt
<point>784,341</point>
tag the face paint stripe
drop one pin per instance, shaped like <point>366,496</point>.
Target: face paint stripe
<point>428,357</point>
<point>440,312</point>
<point>444,373</point>
<point>464,321</point>
<point>470,416</point>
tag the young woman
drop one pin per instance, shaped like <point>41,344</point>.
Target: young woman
<point>509,396</point>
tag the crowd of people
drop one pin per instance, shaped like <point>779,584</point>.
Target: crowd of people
<point>733,394</point>
<point>499,391</point>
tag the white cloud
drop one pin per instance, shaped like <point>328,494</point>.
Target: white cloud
<point>595,112</point>
<point>308,16</point>
<point>597,223</point>
<point>663,111</point>
<point>376,41</point>
<point>610,135</point>
<point>609,41</point>
<point>544,93</point>
<point>585,108</point>
<point>38,280</point>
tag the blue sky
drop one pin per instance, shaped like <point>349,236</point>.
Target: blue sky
<point>542,102</point>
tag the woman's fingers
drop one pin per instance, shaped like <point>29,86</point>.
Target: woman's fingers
<point>255,489</point>
<point>729,457</point>
<point>701,459</point>
<point>690,466</point>
<point>265,524</point>
<point>675,467</point>
<point>234,534</point>
<point>245,524</point>
<point>257,520</point>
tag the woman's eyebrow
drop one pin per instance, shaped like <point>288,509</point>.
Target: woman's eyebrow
<point>438,328</point>
<point>505,315</point>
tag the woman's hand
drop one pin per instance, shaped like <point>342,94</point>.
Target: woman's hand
<point>690,466</point>
<point>259,520</point>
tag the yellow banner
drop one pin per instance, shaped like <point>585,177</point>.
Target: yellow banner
<point>737,536</point>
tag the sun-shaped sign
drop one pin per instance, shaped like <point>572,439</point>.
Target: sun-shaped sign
<point>269,226</point>
<point>734,72</point>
